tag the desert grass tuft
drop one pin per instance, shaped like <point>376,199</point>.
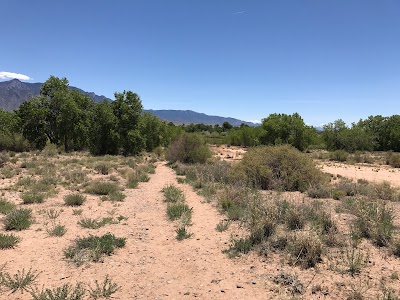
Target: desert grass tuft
<point>176,210</point>
<point>6,206</point>
<point>57,230</point>
<point>74,199</point>
<point>18,219</point>
<point>104,289</point>
<point>8,241</point>
<point>65,292</point>
<point>102,188</point>
<point>172,194</point>
<point>21,281</point>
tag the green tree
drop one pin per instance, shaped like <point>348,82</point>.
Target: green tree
<point>127,109</point>
<point>153,130</point>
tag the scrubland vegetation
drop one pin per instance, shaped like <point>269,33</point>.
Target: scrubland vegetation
<point>285,209</point>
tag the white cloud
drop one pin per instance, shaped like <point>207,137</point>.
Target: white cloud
<point>10,75</point>
<point>255,121</point>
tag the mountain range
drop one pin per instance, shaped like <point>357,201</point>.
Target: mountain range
<point>14,92</point>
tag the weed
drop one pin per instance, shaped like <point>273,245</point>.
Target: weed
<point>77,212</point>
<point>92,248</point>
<point>53,214</point>
<point>32,197</point>
<point>305,249</point>
<point>18,219</point>
<point>102,168</point>
<point>6,206</point>
<point>74,199</point>
<point>103,290</point>
<point>102,188</point>
<point>295,218</point>
<point>114,197</point>
<point>176,210</point>
<point>65,292</point>
<point>95,224</point>
<point>20,281</point>
<point>290,281</point>
<point>182,233</point>
<point>57,230</point>
<point>172,194</point>
<point>8,241</point>
<point>239,246</point>
<point>338,155</point>
<point>223,225</point>
<point>396,247</point>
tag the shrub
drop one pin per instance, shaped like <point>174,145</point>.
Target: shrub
<point>8,241</point>
<point>6,206</point>
<point>4,158</point>
<point>173,194</point>
<point>295,218</point>
<point>182,233</point>
<point>223,225</point>
<point>20,281</point>
<point>65,292</point>
<point>32,197</point>
<point>188,148</point>
<point>74,199</point>
<point>396,247</point>
<point>57,230</point>
<point>102,188</point>
<point>176,210</point>
<point>114,197</point>
<point>103,290</point>
<point>102,168</point>
<point>319,191</point>
<point>338,155</point>
<point>239,246</point>
<point>18,219</point>
<point>93,248</point>
<point>277,167</point>
<point>393,159</point>
<point>305,249</point>
<point>375,221</point>
<point>95,224</point>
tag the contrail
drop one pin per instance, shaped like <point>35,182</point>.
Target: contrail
<point>238,12</point>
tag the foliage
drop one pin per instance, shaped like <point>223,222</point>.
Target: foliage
<point>98,187</point>
<point>188,148</point>
<point>176,210</point>
<point>65,292</point>
<point>74,199</point>
<point>103,290</point>
<point>182,233</point>
<point>57,230</point>
<point>18,219</point>
<point>6,206</point>
<point>21,281</point>
<point>8,241</point>
<point>277,167</point>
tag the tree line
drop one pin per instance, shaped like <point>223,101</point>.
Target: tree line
<point>66,118</point>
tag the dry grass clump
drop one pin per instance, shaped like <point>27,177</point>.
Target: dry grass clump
<point>6,206</point>
<point>393,159</point>
<point>74,199</point>
<point>93,248</point>
<point>8,241</point>
<point>18,219</point>
<point>277,167</point>
<point>98,187</point>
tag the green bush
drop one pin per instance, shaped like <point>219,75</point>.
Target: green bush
<point>176,210</point>
<point>32,197</point>
<point>8,241</point>
<point>18,219</point>
<point>65,292</point>
<point>277,167</point>
<point>74,199</point>
<point>188,148</point>
<point>173,194</point>
<point>6,206</point>
<point>338,155</point>
<point>393,159</point>
<point>102,188</point>
<point>93,248</point>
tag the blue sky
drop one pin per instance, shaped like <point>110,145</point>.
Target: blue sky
<point>245,59</point>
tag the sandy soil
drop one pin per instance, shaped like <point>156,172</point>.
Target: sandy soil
<point>375,173</point>
<point>153,264</point>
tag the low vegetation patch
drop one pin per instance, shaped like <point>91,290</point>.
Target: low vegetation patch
<point>188,148</point>
<point>93,248</point>
<point>177,210</point>
<point>102,188</point>
<point>57,230</point>
<point>74,199</point>
<point>18,219</point>
<point>32,197</point>
<point>8,241</point>
<point>173,194</point>
<point>21,281</point>
<point>6,206</point>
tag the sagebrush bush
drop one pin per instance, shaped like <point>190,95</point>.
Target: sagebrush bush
<point>305,249</point>
<point>6,206</point>
<point>393,159</point>
<point>18,219</point>
<point>188,148</point>
<point>177,210</point>
<point>102,188</point>
<point>93,248</point>
<point>338,155</point>
<point>277,167</point>
<point>74,199</point>
<point>32,197</point>
<point>173,194</point>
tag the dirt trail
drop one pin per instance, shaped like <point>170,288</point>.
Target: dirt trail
<point>153,264</point>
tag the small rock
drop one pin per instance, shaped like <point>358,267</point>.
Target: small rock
<point>222,291</point>
<point>239,286</point>
<point>187,293</point>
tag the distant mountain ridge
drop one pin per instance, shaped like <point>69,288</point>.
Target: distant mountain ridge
<point>14,92</point>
